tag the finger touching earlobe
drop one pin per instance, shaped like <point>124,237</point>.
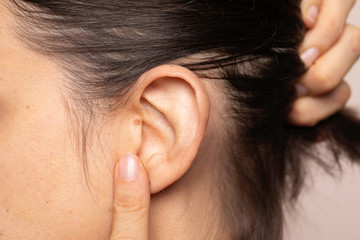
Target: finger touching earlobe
<point>175,112</point>
<point>131,200</point>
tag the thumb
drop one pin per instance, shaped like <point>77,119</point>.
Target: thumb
<point>131,200</point>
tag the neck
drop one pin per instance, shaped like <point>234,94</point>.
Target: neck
<point>186,210</point>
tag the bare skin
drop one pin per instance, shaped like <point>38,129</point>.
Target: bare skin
<point>322,93</point>
<point>334,48</point>
<point>44,188</point>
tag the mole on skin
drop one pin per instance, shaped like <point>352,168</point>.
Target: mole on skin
<point>136,122</point>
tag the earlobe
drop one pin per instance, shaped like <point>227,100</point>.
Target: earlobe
<point>175,112</point>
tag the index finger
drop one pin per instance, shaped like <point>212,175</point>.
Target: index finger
<point>330,25</point>
<point>131,200</point>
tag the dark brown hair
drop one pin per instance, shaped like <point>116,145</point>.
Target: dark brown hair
<point>105,45</point>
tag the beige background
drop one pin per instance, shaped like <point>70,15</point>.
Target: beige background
<point>329,207</point>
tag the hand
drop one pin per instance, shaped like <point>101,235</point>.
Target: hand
<point>131,200</point>
<point>330,49</point>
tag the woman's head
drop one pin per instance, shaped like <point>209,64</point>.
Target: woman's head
<point>200,90</point>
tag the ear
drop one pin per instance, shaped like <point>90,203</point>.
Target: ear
<point>174,114</point>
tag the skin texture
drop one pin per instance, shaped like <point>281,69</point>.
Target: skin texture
<point>42,185</point>
<point>131,217</point>
<point>133,209</point>
<point>326,92</point>
<point>45,194</point>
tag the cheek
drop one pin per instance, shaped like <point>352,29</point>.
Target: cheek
<point>42,187</point>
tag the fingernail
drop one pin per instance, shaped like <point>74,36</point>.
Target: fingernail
<point>301,90</point>
<point>310,55</point>
<point>313,13</point>
<point>128,167</point>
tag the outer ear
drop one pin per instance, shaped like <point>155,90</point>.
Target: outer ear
<point>175,112</point>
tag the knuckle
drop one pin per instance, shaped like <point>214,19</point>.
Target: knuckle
<point>132,205</point>
<point>324,80</point>
<point>355,39</point>
<point>333,28</point>
<point>126,237</point>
